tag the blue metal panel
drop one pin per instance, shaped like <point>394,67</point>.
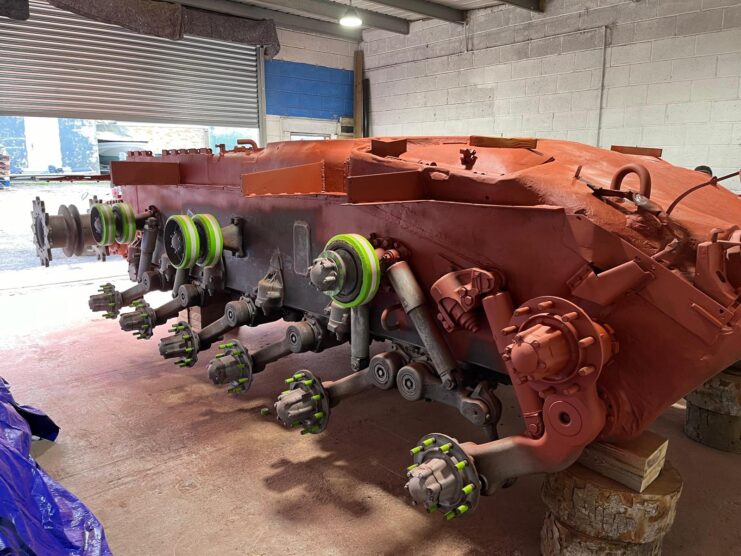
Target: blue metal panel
<point>79,145</point>
<point>308,91</point>
<point>13,138</point>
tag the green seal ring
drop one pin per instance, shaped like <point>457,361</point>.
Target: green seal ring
<point>370,269</point>
<point>103,214</point>
<point>191,243</point>
<point>125,222</point>
<point>212,240</point>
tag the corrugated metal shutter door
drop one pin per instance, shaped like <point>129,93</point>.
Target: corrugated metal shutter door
<point>60,64</point>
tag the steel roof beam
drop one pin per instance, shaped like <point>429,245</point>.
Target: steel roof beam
<point>334,11</point>
<point>281,19</point>
<point>426,9</point>
<point>532,5</point>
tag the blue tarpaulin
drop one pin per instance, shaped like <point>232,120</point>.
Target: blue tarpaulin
<point>37,515</point>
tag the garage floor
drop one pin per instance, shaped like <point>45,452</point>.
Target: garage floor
<point>173,465</point>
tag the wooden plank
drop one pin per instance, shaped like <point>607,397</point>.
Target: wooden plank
<point>634,463</point>
<point>503,142</point>
<point>641,151</point>
<point>137,172</point>
<point>358,73</point>
<point>304,179</point>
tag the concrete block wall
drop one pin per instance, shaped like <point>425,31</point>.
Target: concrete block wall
<point>307,48</point>
<point>658,73</point>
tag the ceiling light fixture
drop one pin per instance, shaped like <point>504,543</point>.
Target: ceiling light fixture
<point>351,17</point>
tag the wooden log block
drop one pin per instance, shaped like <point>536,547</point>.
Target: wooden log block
<point>559,539</point>
<point>601,508</point>
<point>713,415</point>
<point>634,463</point>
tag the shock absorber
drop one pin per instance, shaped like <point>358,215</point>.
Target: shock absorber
<point>149,241</point>
<point>415,305</point>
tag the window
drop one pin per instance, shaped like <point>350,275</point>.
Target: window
<point>310,136</point>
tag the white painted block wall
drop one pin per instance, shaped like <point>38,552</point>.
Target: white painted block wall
<point>307,48</point>
<point>654,73</point>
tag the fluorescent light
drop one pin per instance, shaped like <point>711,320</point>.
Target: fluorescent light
<point>351,18</point>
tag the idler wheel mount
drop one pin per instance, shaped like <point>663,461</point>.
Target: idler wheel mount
<point>348,270</point>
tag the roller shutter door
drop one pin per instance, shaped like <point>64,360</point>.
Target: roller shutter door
<point>60,64</point>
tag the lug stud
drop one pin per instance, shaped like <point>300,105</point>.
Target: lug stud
<point>568,317</point>
<point>587,370</point>
<point>586,342</point>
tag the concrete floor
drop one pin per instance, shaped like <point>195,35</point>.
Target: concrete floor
<point>173,465</point>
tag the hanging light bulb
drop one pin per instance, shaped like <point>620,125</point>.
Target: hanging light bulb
<point>351,17</point>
